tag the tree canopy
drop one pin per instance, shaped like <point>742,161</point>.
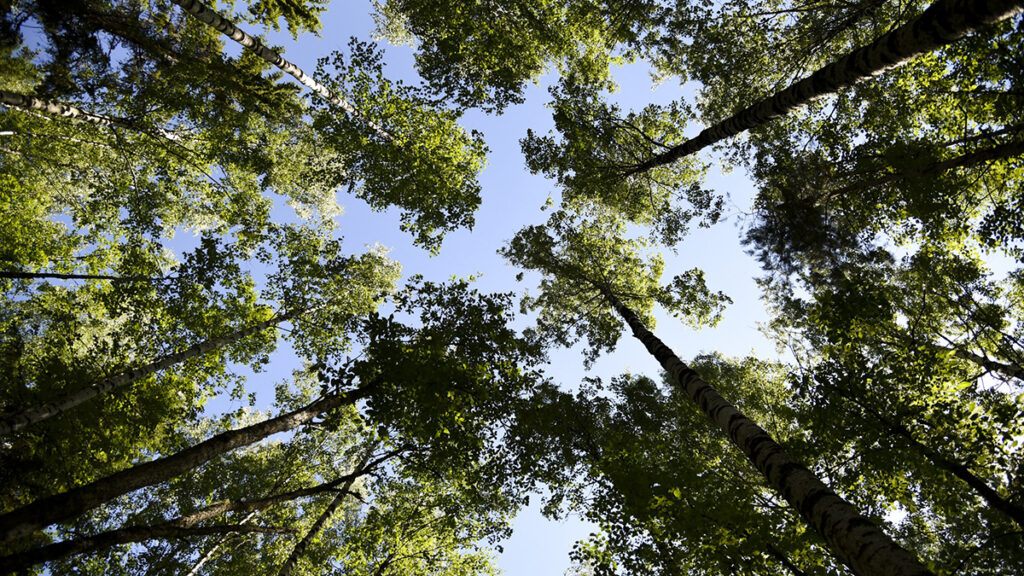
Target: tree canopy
<point>201,377</point>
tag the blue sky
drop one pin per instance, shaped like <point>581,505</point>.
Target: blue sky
<point>512,198</point>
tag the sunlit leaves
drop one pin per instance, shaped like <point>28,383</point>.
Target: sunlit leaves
<point>400,150</point>
<point>579,258</point>
<point>599,147</point>
<point>481,54</point>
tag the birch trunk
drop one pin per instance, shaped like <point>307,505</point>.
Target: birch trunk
<point>209,554</point>
<point>129,534</point>
<point>37,414</point>
<point>1006,369</point>
<point>944,22</point>
<point>56,276</point>
<point>990,495</point>
<point>314,530</point>
<point>854,539</point>
<point>21,101</point>
<point>226,27</point>
<point>327,486</point>
<point>77,501</point>
<point>783,559</point>
<point>998,152</point>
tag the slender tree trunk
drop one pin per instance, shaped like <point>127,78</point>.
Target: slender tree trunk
<point>783,559</point>
<point>990,495</point>
<point>997,152</point>
<point>944,22</point>
<point>854,539</point>
<point>131,534</point>
<point>55,276</point>
<point>209,554</point>
<point>961,471</point>
<point>42,412</point>
<point>1006,369</point>
<point>226,27</point>
<point>125,25</point>
<point>15,100</point>
<point>104,540</point>
<point>314,530</point>
<point>77,501</point>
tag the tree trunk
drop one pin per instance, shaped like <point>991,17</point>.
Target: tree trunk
<point>226,27</point>
<point>23,560</point>
<point>1006,369</point>
<point>990,495</point>
<point>314,530</point>
<point>997,152</point>
<point>131,534</point>
<point>37,414</point>
<point>21,101</point>
<point>854,539</point>
<point>783,559</point>
<point>125,25</point>
<point>55,276</point>
<point>961,471</point>
<point>944,22</point>
<point>77,501</point>
<point>208,555</point>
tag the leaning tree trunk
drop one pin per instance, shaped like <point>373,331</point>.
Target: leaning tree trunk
<point>23,102</point>
<point>186,523</point>
<point>23,560</point>
<point>314,530</point>
<point>958,469</point>
<point>989,494</point>
<point>77,501</point>
<point>58,276</point>
<point>944,22</point>
<point>1007,369</point>
<point>991,154</point>
<point>42,412</point>
<point>226,27</point>
<point>854,539</point>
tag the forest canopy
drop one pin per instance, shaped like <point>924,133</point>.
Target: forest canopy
<point>205,373</point>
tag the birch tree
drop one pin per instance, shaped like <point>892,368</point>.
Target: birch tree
<point>433,394</point>
<point>666,491</point>
<point>943,23</point>
<point>161,366</point>
<point>560,253</point>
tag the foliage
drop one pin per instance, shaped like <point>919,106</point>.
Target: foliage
<point>667,491</point>
<point>420,160</point>
<point>482,53</point>
<point>580,259</point>
<point>880,212</point>
<point>598,149</point>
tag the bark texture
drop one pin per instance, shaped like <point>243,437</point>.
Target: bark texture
<point>211,18</point>
<point>77,501</point>
<point>854,539</point>
<point>23,102</point>
<point>332,486</point>
<point>42,412</point>
<point>1006,369</point>
<point>131,534</point>
<point>56,276</point>
<point>944,22</point>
